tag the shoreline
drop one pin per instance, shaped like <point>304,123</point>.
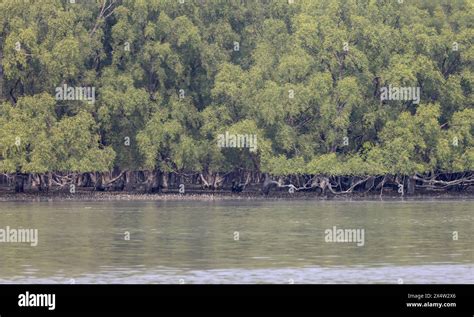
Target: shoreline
<point>221,196</point>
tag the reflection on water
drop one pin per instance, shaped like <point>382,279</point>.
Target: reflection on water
<point>278,242</point>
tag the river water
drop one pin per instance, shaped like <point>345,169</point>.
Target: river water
<point>240,242</point>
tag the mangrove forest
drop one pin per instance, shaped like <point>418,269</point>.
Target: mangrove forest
<point>325,96</point>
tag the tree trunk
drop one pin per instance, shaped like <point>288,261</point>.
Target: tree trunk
<point>2,80</point>
<point>410,185</point>
<point>19,182</point>
<point>370,183</point>
<point>172,180</point>
<point>99,182</point>
<point>28,182</point>
<point>150,181</point>
<point>164,181</point>
<point>35,182</point>
<point>43,185</point>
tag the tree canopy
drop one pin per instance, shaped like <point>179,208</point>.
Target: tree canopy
<point>303,76</point>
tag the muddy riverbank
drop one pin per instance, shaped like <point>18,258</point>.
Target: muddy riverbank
<point>90,195</point>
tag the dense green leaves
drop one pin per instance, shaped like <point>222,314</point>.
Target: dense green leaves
<point>304,78</point>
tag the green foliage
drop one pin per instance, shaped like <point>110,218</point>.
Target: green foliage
<point>304,78</point>
<point>35,141</point>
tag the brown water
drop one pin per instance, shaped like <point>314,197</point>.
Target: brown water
<point>278,242</point>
